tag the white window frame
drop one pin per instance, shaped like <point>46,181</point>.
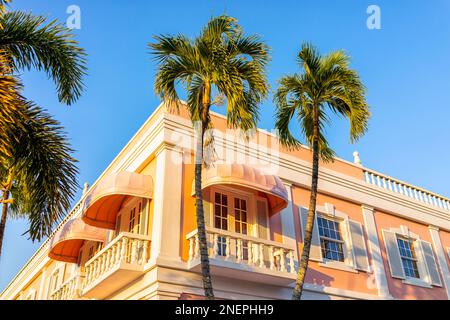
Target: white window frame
<point>404,232</point>
<point>415,259</point>
<point>231,194</point>
<point>125,213</point>
<point>340,231</point>
<point>328,211</point>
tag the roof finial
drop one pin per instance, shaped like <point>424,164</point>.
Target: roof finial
<point>356,158</point>
<point>85,188</point>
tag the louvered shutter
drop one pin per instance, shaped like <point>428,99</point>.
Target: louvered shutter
<point>144,217</point>
<point>358,246</point>
<point>315,252</point>
<point>433,271</point>
<point>207,209</point>
<point>395,262</point>
<point>263,228</point>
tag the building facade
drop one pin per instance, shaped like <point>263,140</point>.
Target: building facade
<point>133,233</point>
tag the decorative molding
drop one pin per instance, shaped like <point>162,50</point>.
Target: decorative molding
<point>374,248</point>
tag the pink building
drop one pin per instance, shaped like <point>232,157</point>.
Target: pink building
<point>133,233</point>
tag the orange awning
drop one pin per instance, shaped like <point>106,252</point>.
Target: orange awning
<point>102,204</point>
<point>66,243</point>
<point>248,177</point>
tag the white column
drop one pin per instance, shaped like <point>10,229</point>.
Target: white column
<point>442,261</point>
<point>375,251</point>
<point>167,197</point>
<point>287,224</point>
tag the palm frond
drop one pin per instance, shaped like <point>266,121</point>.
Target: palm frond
<point>326,82</point>
<point>34,43</point>
<point>44,171</point>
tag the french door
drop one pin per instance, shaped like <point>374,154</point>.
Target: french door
<point>231,214</point>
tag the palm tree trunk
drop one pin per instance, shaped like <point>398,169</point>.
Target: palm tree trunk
<point>4,201</point>
<point>298,289</point>
<point>204,259</point>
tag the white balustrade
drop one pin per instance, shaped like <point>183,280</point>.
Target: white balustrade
<point>127,248</point>
<point>69,290</point>
<point>397,186</point>
<point>244,249</point>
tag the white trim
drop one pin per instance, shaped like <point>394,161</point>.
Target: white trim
<point>417,282</point>
<point>167,199</point>
<point>232,194</point>
<point>338,265</point>
<point>329,212</point>
<point>288,225</point>
<point>375,252</point>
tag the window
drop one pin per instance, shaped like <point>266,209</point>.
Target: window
<point>118,224</point>
<point>331,241</point>
<point>221,219</point>
<point>240,223</point>
<point>93,249</point>
<point>132,220</point>
<point>221,211</point>
<point>408,256</point>
<point>134,224</point>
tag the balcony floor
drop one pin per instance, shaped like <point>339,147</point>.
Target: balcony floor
<point>231,269</point>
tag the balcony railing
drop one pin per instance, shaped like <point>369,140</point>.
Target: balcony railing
<point>407,190</point>
<point>69,290</point>
<point>127,252</point>
<point>251,252</point>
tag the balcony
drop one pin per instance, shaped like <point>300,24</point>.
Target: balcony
<point>117,264</point>
<point>69,290</point>
<point>394,185</point>
<point>244,257</point>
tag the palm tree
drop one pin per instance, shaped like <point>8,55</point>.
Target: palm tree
<point>39,173</point>
<point>35,163</point>
<point>326,84</point>
<point>221,59</point>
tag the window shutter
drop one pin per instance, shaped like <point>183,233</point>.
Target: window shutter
<point>207,209</point>
<point>263,228</point>
<point>144,217</point>
<point>207,212</point>
<point>428,255</point>
<point>62,270</point>
<point>393,254</point>
<point>315,253</point>
<point>358,244</point>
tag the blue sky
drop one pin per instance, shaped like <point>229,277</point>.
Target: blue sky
<point>405,67</point>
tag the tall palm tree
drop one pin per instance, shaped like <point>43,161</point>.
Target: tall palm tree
<point>221,59</point>
<point>326,84</point>
<point>35,163</point>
